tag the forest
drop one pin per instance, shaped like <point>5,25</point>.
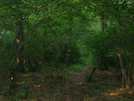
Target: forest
<point>66,50</point>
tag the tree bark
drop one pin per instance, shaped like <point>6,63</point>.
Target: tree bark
<point>94,69</point>
<point>125,71</point>
<point>18,43</point>
<point>68,52</point>
<point>102,24</point>
<point>102,29</point>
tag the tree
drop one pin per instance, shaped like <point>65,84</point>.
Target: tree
<point>122,39</point>
<point>34,28</point>
<point>26,17</point>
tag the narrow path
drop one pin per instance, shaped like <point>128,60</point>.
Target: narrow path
<point>80,75</point>
<point>85,68</point>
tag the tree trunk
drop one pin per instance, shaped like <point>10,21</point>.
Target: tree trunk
<point>18,43</point>
<point>68,52</point>
<point>126,71</point>
<point>102,28</point>
<point>129,71</point>
<point>62,52</point>
<point>94,69</point>
<point>102,24</point>
<point>15,69</point>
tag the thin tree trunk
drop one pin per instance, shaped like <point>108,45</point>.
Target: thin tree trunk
<point>18,43</point>
<point>62,53</point>
<point>94,69</point>
<point>124,78</point>
<point>102,24</point>
<point>129,71</point>
<point>126,71</point>
<point>18,66</point>
<point>68,52</point>
<point>102,29</point>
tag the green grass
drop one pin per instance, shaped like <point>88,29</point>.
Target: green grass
<point>75,67</point>
<point>94,86</point>
<point>63,67</point>
<point>118,100</point>
<point>110,84</point>
<point>100,85</point>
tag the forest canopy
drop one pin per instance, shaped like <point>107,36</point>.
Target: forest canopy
<point>38,35</point>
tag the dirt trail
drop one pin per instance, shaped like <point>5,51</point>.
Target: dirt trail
<point>80,75</point>
<point>85,68</point>
<point>71,86</point>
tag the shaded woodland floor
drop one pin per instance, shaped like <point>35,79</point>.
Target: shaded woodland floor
<point>70,85</point>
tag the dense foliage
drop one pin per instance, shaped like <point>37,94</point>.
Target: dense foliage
<point>60,33</point>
